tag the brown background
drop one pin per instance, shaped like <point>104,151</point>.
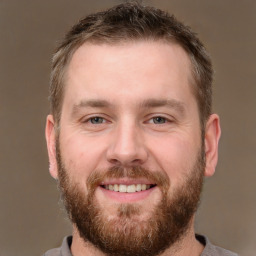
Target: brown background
<point>30,219</point>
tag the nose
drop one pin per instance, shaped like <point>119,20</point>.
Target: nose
<point>127,146</point>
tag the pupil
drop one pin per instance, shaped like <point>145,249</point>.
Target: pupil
<point>96,120</point>
<point>159,120</point>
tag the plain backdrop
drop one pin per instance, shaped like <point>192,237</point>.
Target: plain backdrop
<point>31,220</point>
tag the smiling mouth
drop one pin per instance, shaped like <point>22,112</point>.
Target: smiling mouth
<point>128,188</point>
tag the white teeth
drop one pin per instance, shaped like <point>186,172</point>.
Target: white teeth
<point>131,189</point>
<point>143,186</point>
<point>127,188</point>
<point>138,187</point>
<point>122,188</point>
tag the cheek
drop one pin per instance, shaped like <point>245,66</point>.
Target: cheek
<point>81,156</point>
<point>176,156</point>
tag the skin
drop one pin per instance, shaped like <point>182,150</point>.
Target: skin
<point>128,86</point>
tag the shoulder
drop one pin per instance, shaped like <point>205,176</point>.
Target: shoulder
<point>53,252</point>
<point>213,250</point>
<point>64,250</point>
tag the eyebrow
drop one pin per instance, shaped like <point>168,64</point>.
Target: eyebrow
<point>90,103</point>
<point>171,103</point>
<point>149,103</point>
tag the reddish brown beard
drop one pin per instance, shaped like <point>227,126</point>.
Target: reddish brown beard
<point>126,235</point>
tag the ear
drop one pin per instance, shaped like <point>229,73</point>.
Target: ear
<point>51,146</point>
<point>211,140</point>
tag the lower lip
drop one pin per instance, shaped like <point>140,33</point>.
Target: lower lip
<point>127,197</point>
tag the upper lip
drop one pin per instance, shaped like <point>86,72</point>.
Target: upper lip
<point>127,181</point>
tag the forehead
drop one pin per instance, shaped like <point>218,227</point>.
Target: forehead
<point>166,52</point>
<point>131,67</point>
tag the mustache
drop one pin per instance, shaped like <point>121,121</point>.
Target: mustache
<point>160,178</point>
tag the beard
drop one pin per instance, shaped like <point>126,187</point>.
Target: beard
<point>126,234</point>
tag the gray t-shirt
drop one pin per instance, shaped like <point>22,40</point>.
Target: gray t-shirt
<point>209,249</point>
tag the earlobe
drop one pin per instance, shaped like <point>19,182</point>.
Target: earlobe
<point>51,146</point>
<point>212,136</point>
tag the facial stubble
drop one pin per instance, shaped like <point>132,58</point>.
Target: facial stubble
<point>127,234</point>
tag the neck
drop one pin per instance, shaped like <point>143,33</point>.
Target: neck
<point>187,245</point>
<point>80,248</point>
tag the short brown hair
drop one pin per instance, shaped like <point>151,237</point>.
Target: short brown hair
<point>131,22</point>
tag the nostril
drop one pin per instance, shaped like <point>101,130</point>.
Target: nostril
<point>137,161</point>
<point>114,161</point>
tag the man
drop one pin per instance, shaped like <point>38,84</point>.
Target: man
<point>131,134</point>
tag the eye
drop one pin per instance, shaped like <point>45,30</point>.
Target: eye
<point>159,120</point>
<point>97,120</point>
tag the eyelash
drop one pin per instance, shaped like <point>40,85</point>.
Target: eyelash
<point>151,120</point>
<point>165,120</point>
<point>90,120</point>
<point>96,117</point>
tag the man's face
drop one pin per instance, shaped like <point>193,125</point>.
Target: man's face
<point>129,145</point>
